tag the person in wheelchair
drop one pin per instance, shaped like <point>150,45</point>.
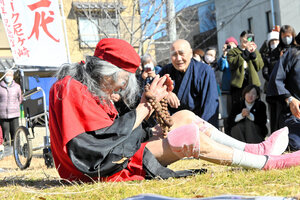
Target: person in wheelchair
<point>90,142</point>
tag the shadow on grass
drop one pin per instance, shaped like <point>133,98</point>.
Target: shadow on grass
<point>37,184</point>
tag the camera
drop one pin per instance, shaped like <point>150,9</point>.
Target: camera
<point>228,46</point>
<point>147,69</point>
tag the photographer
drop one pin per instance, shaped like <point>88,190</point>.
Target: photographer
<point>223,66</point>
<point>149,68</point>
<point>244,61</point>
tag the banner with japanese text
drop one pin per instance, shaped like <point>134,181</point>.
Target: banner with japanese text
<point>35,32</point>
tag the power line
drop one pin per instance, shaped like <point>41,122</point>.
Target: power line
<point>225,24</point>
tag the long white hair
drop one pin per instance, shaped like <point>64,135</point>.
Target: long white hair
<point>92,75</point>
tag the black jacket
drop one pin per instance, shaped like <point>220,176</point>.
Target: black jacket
<point>258,110</point>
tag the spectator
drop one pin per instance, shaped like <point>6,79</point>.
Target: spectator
<point>270,59</point>
<point>210,59</point>
<point>286,40</point>
<point>195,87</point>
<point>223,66</point>
<point>89,142</point>
<point>248,118</point>
<point>284,87</point>
<point>10,100</point>
<point>287,36</point>
<point>150,69</point>
<point>244,61</point>
<point>198,55</point>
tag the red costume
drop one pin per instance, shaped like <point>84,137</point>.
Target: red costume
<point>73,111</point>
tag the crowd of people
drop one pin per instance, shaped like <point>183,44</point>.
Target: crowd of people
<point>104,125</point>
<point>241,64</point>
<point>91,140</point>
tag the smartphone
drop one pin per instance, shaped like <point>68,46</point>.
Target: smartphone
<point>250,37</point>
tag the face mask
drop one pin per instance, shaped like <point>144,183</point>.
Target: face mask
<point>287,40</point>
<point>209,59</point>
<point>273,46</point>
<point>149,67</point>
<point>8,79</point>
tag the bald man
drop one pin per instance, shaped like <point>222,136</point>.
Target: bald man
<point>195,87</point>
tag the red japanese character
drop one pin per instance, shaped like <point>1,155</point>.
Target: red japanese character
<point>21,40</point>
<point>42,3</point>
<point>40,20</point>
<point>23,52</point>
<point>18,29</point>
<point>15,15</point>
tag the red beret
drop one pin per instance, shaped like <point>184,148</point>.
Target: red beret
<point>118,52</point>
<point>231,39</point>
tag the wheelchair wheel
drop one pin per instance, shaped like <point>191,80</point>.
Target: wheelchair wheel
<point>22,148</point>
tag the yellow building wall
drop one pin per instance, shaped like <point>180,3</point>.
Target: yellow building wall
<point>5,51</point>
<point>77,53</point>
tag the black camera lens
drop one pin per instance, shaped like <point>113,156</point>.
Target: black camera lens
<point>228,46</point>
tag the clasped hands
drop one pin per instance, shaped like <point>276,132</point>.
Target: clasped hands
<point>245,112</point>
<point>160,87</point>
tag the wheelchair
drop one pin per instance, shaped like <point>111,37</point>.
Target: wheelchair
<point>36,115</point>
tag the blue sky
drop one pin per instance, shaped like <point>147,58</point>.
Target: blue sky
<point>179,4</point>
<point>183,3</point>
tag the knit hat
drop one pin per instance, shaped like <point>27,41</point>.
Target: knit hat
<point>274,35</point>
<point>118,52</point>
<point>231,39</point>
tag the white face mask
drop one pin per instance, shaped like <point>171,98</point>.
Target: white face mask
<point>209,59</point>
<point>287,40</point>
<point>8,79</point>
<point>273,46</point>
<point>149,67</point>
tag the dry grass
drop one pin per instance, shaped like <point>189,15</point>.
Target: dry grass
<point>38,182</point>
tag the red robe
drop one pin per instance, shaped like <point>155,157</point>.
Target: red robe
<point>74,110</point>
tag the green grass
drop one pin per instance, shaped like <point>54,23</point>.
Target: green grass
<point>38,182</point>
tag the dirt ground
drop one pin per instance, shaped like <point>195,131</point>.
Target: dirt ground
<point>8,162</point>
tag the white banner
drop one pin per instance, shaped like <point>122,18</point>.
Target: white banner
<point>35,32</point>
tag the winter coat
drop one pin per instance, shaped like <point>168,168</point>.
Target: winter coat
<point>10,100</point>
<point>236,58</point>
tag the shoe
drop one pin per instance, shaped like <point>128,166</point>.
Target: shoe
<point>275,144</point>
<point>283,161</point>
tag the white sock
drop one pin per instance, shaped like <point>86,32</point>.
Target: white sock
<point>248,160</point>
<point>222,138</point>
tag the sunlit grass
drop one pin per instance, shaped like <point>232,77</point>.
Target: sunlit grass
<point>38,182</point>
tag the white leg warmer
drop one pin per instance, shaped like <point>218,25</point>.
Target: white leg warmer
<point>248,160</point>
<point>219,136</point>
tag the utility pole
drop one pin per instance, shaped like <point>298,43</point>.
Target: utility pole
<point>171,20</point>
